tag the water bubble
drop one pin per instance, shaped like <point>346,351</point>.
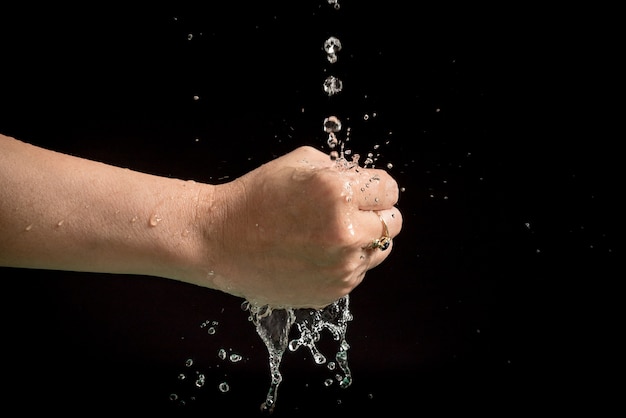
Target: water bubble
<point>188,362</point>
<point>211,330</point>
<point>332,85</point>
<point>328,382</point>
<point>223,387</point>
<point>221,353</point>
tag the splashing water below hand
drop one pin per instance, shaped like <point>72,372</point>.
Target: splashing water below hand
<point>274,326</point>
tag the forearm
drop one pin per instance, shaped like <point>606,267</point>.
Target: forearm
<point>62,212</point>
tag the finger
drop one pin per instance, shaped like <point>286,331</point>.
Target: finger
<point>374,189</point>
<point>393,219</point>
<point>378,228</point>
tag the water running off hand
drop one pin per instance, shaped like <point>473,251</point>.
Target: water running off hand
<point>274,326</point>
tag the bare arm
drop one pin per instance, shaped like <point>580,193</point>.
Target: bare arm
<point>293,232</point>
<point>63,212</point>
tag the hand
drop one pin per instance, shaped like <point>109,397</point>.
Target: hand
<point>297,231</point>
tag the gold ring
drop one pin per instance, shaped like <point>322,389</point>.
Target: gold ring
<point>384,241</point>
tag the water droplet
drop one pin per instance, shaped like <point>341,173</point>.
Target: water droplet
<point>61,222</point>
<point>332,140</point>
<point>332,124</point>
<point>235,358</point>
<point>29,227</point>
<point>200,380</point>
<point>294,345</point>
<point>332,85</point>
<point>335,4</point>
<point>155,219</point>
<point>332,46</point>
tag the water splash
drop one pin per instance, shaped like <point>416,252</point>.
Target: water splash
<point>275,326</point>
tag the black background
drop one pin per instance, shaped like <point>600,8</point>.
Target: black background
<point>495,299</point>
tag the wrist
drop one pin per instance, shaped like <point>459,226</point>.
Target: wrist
<point>187,255</point>
<point>210,258</point>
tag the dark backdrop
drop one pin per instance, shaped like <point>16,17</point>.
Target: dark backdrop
<point>486,303</point>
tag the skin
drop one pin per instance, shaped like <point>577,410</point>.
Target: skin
<point>293,232</point>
